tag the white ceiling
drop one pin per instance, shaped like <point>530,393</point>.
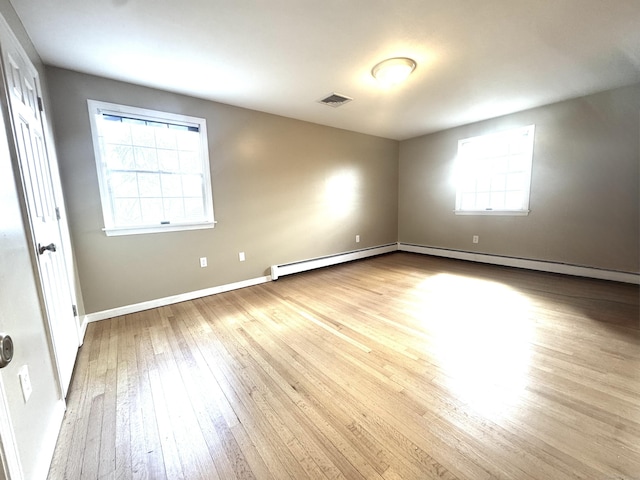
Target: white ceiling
<point>476,59</point>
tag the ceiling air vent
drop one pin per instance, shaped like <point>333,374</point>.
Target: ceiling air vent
<point>335,100</point>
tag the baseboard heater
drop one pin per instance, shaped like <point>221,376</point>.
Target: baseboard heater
<point>278,271</point>
<point>539,265</point>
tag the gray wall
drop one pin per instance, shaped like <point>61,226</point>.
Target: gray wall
<point>584,192</point>
<point>270,177</point>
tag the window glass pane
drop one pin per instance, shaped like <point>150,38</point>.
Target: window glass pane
<point>498,183</point>
<point>146,158</point>
<point>484,183</point>
<point>119,157</point>
<point>515,181</point>
<point>166,138</point>
<point>468,184</point>
<point>193,207</point>
<point>168,161</point>
<point>519,144</point>
<point>189,141</point>
<point>192,185</point>
<point>152,167</point>
<point>151,210</point>
<point>513,200</point>
<point>143,136</point>
<point>468,200</point>
<point>466,148</point>
<point>174,208</point>
<point>127,211</point>
<point>116,132</point>
<point>149,185</point>
<point>482,200</point>
<point>132,121</point>
<point>190,162</point>
<point>517,163</point>
<point>496,147</point>
<point>171,185</point>
<point>500,164</point>
<point>497,200</point>
<point>124,184</point>
<point>493,171</point>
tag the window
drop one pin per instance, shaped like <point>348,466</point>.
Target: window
<point>153,169</point>
<point>494,173</point>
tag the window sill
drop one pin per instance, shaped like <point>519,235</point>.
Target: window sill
<point>515,213</point>
<point>115,232</point>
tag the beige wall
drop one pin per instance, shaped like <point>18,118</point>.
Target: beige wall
<point>270,178</point>
<point>584,192</point>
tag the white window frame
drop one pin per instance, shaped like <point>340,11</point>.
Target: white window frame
<point>489,169</point>
<point>111,228</point>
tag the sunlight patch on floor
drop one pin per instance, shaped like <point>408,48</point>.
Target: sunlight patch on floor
<point>482,333</point>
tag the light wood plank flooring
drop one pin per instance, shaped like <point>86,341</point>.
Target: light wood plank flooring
<point>397,367</point>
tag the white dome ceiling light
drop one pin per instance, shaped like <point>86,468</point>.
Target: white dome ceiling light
<point>392,71</point>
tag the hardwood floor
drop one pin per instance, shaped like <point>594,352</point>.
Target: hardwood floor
<point>397,367</point>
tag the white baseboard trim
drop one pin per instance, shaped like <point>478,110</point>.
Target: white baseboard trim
<point>543,266</point>
<point>83,328</point>
<point>278,269</point>
<point>313,263</point>
<point>162,302</point>
<point>296,267</point>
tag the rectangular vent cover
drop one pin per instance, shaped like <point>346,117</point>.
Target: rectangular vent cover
<point>335,100</point>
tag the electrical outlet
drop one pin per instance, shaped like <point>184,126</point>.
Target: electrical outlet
<point>476,239</point>
<point>357,238</point>
<point>203,262</point>
<point>241,256</point>
<point>25,382</point>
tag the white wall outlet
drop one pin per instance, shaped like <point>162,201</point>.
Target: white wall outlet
<point>476,239</point>
<point>203,262</point>
<point>25,382</point>
<point>241,256</point>
<point>357,238</point>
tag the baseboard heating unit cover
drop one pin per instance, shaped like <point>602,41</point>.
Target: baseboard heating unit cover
<point>310,264</point>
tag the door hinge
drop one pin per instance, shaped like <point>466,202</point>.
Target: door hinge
<point>75,310</point>
<point>57,213</point>
<point>40,107</point>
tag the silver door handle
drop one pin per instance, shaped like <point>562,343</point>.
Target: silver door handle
<point>51,247</point>
<point>6,350</point>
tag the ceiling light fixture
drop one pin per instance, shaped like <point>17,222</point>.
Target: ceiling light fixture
<point>393,70</point>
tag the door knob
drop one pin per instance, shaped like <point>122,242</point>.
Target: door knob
<point>6,350</point>
<point>51,247</point>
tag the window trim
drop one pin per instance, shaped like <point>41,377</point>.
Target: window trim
<point>514,213</point>
<point>96,108</point>
<point>527,191</point>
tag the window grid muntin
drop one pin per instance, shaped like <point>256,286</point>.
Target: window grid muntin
<point>488,167</point>
<point>148,157</point>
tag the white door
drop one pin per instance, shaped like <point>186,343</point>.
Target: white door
<point>23,89</point>
<point>29,424</point>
